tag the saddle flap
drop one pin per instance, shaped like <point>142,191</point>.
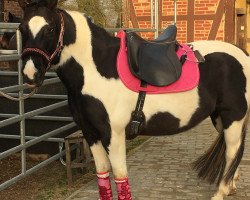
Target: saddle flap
<point>158,63</point>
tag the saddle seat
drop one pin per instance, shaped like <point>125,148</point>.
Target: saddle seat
<point>154,62</point>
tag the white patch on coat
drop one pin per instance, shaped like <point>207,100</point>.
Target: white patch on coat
<point>36,24</point>
<point>101,158</point>
<point>30,69</point>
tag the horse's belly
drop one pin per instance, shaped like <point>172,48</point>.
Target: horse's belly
<point>176,107</point>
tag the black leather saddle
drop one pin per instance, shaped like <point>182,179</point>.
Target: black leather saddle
<point>155,62</point>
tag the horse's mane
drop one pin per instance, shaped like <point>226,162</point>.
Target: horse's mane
<point>99,31</point>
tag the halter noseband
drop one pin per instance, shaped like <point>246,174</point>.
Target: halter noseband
<point>46,56</point>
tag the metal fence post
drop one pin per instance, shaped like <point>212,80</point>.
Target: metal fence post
<point>21,102</point>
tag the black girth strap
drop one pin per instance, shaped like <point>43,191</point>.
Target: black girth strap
<point>137,117</point>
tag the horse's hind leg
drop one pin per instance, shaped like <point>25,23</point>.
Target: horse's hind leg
<point>102,168</point>
<point>217,122</point>
<point>117,157</point>
<point>234,137</point>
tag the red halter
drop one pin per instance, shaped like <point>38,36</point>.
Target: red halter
<point>42,53</point>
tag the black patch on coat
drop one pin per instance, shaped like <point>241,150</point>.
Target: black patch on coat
<point>105,50</point>
<point>222,75</point>
<point>88,112</point>
<point>221,92</point>
<point>161,124</point>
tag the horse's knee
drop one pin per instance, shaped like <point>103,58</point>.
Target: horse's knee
<point>100,157</point>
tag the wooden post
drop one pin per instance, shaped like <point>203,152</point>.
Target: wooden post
<point>1,10</point>
<point>68,162</point>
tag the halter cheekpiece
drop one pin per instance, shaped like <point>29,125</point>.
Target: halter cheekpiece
<point>42,53</point>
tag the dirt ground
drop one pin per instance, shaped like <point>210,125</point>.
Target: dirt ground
<point>49,183</point>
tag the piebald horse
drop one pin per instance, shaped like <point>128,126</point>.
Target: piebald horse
<point>84,57</point>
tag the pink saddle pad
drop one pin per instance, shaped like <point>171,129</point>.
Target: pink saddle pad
<point>188,80</point>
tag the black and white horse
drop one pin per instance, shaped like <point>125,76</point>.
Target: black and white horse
<point>101,105</point>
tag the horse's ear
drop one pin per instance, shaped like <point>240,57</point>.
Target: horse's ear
<point>24,3</point>
<point>11,17</point>
<point>51,4</point>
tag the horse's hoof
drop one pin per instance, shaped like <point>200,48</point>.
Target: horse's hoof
<point>237,178</point>
<point>217,198</point>
<point>232,191</point>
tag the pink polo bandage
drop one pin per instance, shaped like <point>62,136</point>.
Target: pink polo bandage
<point>104,185</point>
<point>123,189</point>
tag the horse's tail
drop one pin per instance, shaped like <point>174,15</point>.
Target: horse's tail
<point>212,164</point>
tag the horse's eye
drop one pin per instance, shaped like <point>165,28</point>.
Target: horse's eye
<point>49,30</point>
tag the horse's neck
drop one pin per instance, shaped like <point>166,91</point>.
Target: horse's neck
<point>91,49</point>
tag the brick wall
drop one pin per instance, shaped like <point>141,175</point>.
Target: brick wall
<point>200,18</point>
<point>13,7</point>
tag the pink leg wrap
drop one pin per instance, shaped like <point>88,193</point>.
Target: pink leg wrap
<point>123,189</point>
<point>105,191</point>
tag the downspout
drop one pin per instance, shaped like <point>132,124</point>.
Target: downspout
<point>175,12</point>
<point>156,18</point>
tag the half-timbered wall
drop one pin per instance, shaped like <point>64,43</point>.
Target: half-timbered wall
<point>196,19</point>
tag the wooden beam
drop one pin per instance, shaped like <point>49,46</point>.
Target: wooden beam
<point>190,21</point>
<point>230,21</point>
<point>217,20</point>
<point>180,17</point>
<point>134,19</point>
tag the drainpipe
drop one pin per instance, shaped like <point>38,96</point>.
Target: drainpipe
<point>156,18</point>
<point>175,12</point>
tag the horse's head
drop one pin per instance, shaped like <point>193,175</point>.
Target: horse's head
<point>42,31</point>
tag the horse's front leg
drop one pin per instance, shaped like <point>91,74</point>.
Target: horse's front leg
<point>102,168</point>
<point>117,156</point>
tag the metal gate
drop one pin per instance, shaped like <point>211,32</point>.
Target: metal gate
<point>28,141</point>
